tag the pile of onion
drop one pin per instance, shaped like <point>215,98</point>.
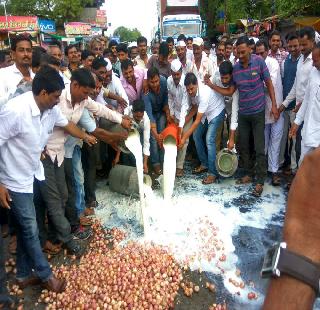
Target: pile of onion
<point>132,276</point>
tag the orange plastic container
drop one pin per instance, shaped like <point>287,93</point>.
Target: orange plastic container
<point>170,131</point>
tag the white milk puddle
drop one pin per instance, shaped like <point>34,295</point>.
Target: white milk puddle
<point>197,224</point>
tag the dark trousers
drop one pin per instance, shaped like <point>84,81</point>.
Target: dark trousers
<point>88,158</point>
<point>71,210</point>
<point>29,253</point>
<point>255,124</point>
<point>52,194</point>
<point>3,277</point>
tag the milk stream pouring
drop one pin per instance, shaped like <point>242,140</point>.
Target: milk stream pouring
<point>134,145</point>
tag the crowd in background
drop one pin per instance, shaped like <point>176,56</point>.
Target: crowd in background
<point>65,111</point>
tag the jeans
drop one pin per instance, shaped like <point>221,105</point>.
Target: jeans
<point>29,253</point>
<point>208,159</point>
<point>3,277</point>
<point>157,153</point>
<point>79,179</point>
<point>253,124</point>
<point>52,194</point>
<point>89,169</point>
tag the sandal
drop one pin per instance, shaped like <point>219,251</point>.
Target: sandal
<point>51,248</point>
<point>157,170</point>
<point>85,221</point>
<point>179,172</point>
<point>210,179</point>
<point>199,170</point>
<point>245,180</point>
<point>276,181</point>
<point>257,190</point>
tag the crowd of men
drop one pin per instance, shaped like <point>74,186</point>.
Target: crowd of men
<point>263,92</point>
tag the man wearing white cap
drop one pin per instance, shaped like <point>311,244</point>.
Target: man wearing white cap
<point>184,56</point>
<point>202,66</point>
<point>179,106</point>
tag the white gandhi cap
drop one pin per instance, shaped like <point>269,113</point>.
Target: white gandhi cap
<point>181,43</point>
<point>109,65</point>
<point>197,41</point>
<point>175,65</point>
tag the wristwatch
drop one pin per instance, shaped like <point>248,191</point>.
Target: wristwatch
<point>279,259</point>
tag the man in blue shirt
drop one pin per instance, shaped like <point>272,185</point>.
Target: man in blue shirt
<point>250,75</point>
<point>156,105</point>
<point>289,74</point>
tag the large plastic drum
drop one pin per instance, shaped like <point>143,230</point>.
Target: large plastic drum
<point>226,163</point>
<point>124,180</point>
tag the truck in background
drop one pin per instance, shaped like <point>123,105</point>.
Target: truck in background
<point>179,16</point>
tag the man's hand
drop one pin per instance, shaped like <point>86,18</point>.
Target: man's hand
<point>145,87</point>
<point>293,130</point>
<point>159,139</point>
<point>126,122</point>
<point>5,198</point>
<point>297,107</point>
<point>275,112</point>
<point>230,144</point>
<point>281,108</point>
<point>116,160</point>
<point>123,104</point>
<point>170,119</point>
<point>89,139</point>
<point>207,80</point>
<point>182,142</point>
<point>145,168</point>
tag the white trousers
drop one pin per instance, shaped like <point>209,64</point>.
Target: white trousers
<point>289,117</point>
<point>273,136</point>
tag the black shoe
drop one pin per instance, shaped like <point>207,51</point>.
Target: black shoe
<point>73,248</point>
<point>81,233</point>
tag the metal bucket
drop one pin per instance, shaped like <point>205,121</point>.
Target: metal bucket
<point>226,163</point>
<point>124,180</point>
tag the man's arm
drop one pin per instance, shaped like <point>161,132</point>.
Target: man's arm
<point>274,109</point>
<point>290,97</point>
<point>74,131</point>
<point>301,233</point>
<point>189,132</point>
<point>228,91</point>
<point>234,119</point>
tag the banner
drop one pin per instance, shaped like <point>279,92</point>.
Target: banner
<point>47,26</point>
<point>101,18</point>
<point>182,2</point>
<point>77,29</point>
<point>18,23</point>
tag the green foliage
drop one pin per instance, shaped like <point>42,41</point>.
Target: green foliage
<point>126,34</point>
<point>59,10</point>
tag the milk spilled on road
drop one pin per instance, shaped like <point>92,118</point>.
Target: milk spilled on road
<point>169,167</point>
<point>134,145</point>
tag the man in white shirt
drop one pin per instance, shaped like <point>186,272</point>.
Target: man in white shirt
<point>113,92</point>
<point>208,120</point>
<point>202,66</point>
<point>309,113</point>
<point>72,102</point>
<point>142,59</point>
<point>304,66</point>
<point>24,131</point>
<point>10,77</point>
<point>141,122</point>
<point>273,128</point>
<point>179,105</point>
<point>182,53</point>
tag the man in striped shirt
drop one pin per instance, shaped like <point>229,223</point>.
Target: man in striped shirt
<point>250,75</point>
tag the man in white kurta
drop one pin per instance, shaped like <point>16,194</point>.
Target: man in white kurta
<point>273,128</point>
<point>309,113</point>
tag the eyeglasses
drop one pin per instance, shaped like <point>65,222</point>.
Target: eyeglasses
<point>98,49</point>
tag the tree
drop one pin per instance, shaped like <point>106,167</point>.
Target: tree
<point>59,10</point>
<point>126,34</point>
